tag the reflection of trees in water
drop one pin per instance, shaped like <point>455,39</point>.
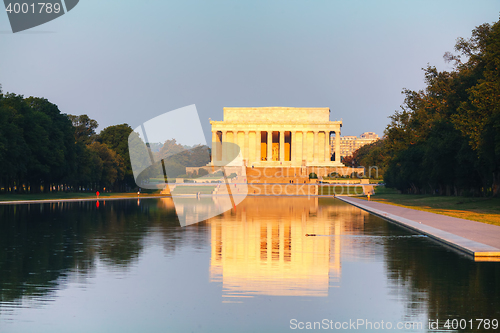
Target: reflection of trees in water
<point>37,248</point>
<point>446,283</point>
<point>41,245</point>
<point>175,236</point>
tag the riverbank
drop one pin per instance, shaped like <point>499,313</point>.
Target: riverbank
<point>486,210</point>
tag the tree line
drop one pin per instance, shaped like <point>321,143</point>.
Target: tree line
<point>446,138</point>
<point>42,149</point>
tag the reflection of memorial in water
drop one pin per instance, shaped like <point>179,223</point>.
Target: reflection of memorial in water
<point>192,210</point>
<point>261,248</point>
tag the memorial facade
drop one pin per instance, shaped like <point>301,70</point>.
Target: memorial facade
<point>276,137</point>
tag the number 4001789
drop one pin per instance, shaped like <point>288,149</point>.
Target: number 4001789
<point>478,324</point>
<point>39,8</point>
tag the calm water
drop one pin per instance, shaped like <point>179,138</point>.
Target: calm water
<point>128,266</point>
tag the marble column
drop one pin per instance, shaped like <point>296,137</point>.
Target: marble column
<point>224,146</point>
<point>257,146</point>
<point>293,147</point>
<point>269,146</point>
<point>214,147</point>
<point>315,147</point>
<point>246,156</point>
<point>237,148</point>
<point>282,146</point>
<point>337,146</point>
<point>327,146</point>
<point>304,147</point>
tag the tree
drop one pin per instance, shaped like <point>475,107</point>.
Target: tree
<point>13,148</point>
<point>116,138</point>
<point>51,142</point>
<point>351,160</point>
<point>109,166</point>
<point>478,117</point>
<point>373,157</point>
<point>84,128</point>
<point>446,138</point>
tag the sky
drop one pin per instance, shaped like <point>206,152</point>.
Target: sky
<point>122,61</point>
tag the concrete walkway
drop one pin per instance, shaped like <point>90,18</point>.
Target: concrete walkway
<point>476,239</point>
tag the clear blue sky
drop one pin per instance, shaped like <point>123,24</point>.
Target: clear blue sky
<point>128,61</point>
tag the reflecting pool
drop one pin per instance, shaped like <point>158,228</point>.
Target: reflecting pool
<point>272,264</point>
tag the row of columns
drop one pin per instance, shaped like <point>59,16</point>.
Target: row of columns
<point>258,136</point>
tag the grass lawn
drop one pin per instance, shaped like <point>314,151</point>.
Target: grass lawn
<point>193,189</point>
<point>485,210</point>
<point>70,195</point>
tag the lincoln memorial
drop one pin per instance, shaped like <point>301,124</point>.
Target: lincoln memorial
<point>276,137</point>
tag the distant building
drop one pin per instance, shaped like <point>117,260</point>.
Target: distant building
<point>350,143</point>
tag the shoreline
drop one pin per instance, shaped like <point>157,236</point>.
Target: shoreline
<point>38,201</point>
<point>477,240</point>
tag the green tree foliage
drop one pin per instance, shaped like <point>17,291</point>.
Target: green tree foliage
<point>42,149</point>
<point>103,159</point>
<point>446,138</point>
<point>13,148</point>
<point>109,166</point>
<point>373,157</point>
<point>84,128</point>
<point>50,141</point>
<point>116,138</point>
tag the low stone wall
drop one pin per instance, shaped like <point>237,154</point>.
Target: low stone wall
<point>282,189</point>
<point>270,172</point>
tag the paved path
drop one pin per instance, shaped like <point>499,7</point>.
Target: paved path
<point>480,240</point>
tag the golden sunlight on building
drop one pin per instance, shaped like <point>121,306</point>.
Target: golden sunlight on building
<point>262,247</point>
<point>277,136</point>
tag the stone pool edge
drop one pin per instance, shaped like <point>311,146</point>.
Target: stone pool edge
<point>472,249</point>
